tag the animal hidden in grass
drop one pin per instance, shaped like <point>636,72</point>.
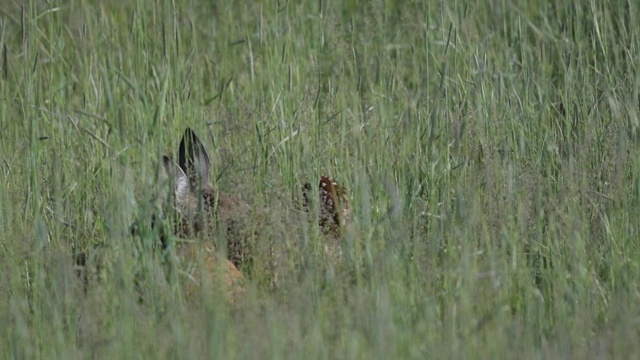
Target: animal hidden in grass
<point>202,212</point>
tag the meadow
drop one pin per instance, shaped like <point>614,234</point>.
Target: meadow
<point>490,150</point>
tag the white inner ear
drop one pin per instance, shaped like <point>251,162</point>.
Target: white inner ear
<point>182,184</point>
<point>177,178</point>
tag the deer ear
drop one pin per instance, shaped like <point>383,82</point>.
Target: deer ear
<point>178,178</point>
<point>328,195</point>
<point>334,207</point>
<point>193,160</point>
<point>306,197</point>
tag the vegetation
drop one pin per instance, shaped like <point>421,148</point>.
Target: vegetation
<point>490,150</point>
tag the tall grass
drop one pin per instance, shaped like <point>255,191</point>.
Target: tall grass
<point>490,150</point>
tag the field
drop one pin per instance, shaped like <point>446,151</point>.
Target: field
<point>490,150</point>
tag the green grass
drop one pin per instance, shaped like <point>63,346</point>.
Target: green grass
<point>490,150</point>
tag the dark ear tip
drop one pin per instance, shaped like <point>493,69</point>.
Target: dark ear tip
<point>80,258</point>
<point>190,137</point>
<point>166,162</point>
<point>189,134</point>
<point>306,191</point>
<point>306,187</point>
<point>134,229</point>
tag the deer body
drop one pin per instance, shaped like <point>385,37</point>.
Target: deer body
<point>203,213</point>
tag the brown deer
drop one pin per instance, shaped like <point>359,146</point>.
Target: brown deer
<point>201,211</point>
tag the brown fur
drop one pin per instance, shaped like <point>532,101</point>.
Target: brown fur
<point>193,193</point>
<point>214,266</point>
<point>334,212</point>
